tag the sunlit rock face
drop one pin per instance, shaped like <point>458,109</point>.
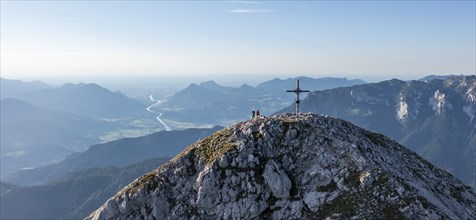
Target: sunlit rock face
<point>293,167</point>
<point>434,118</point>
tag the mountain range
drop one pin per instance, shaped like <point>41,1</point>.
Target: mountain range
<point>293,167</point>
<point>87,99</point>
<point>119,153</point>
<point>74,187</point>
<point>32,136</point>
<point>434,118</point>
<point>211,103</point>
<point>72,196</point>
<point>440,77</point>
<point>42,124</point>
<point>17,88</point>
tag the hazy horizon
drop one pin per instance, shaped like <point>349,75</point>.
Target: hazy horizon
<point>234,80</point>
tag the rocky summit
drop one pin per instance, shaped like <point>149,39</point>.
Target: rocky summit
<point>294,167</point>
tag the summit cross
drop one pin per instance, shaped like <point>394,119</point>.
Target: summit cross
<point>297,91</point>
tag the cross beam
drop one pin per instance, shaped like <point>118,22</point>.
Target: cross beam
<point>297,91</point>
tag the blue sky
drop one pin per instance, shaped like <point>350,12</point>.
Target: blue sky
<point>388,39</point>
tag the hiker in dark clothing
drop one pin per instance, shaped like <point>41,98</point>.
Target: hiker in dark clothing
<point>253,114</point>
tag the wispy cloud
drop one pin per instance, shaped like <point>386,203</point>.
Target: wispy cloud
<point>247,2</point>
<point>248,11</point>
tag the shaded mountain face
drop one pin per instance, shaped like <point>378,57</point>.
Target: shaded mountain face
<point>44,124</point>
<point>90,100</point>
<point>289,167</point>
<point>434,118</point>
<point>14,111</point>
<point>211,103</point>
<point>73,196</point>
<point>120,153</point>
<point>31,136</point>
<point>81,99</point>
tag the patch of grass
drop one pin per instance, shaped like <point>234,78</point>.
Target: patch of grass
<point>456,193</point>
<point>125,128</point>
<point>343,204</point>
<point>307,126</point>
<point>376,138</point>
<point>332,186</point>
<point>391,211</point>
<point>125,133</point>
<point>425,203</point>
<point>143,181</point>
<point>257,135</point>
<point>177,125</point>
<point>215,145</point>
<point>287,124</point>
<point>268,212</point>
<point>359,203</point>
<point>353,179</point>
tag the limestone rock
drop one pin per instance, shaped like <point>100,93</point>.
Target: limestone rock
<point>293,167</point>
<point>277,180</point>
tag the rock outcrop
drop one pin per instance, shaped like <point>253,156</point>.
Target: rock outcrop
<point>293,167</point>
<point>433,118</point>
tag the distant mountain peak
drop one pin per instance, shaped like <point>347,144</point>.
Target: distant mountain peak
<point>212,85</point>
<point>246,86</point>
<point>303,78</point>
<point>439,77</point>
<point>209,83</point>
<point>92,86</point>
<point>294,167</point>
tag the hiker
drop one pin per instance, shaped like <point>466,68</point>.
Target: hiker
<point>253,114</point>
<point>257,113</point>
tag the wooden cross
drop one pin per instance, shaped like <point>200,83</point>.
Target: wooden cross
<point>297,91</point>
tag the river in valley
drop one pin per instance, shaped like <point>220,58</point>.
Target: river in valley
<point>149,109</point>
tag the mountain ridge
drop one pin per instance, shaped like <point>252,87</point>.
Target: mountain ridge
<point>33,136</point>
<point>211,103</point>
<point>86,99</point>
<point>433,118</point>
<point>73,196</point>
<point>16,88</point>
<point>119,153</point>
